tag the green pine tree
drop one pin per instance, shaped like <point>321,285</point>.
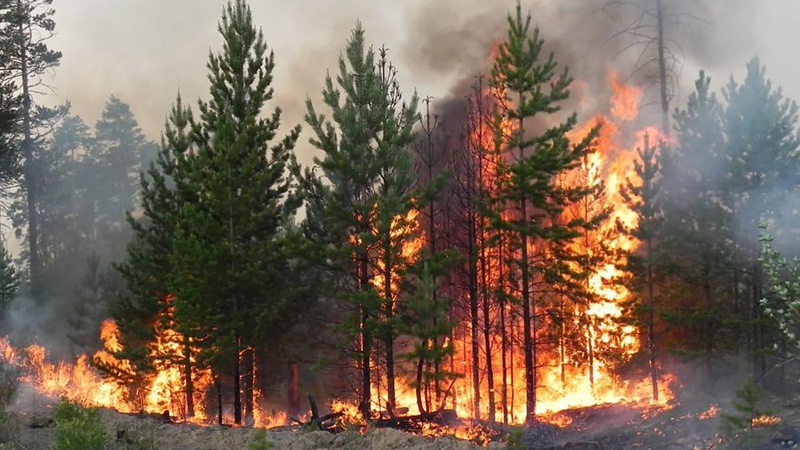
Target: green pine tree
<point>364,197</point>
<point>229,256</point>
<point>147,270</point>
<point>27,25</point>
<point>643,264</point>
<point>9,278</point>
<point>760,160</point>
<point>530,87</point>
<point>696,227</point>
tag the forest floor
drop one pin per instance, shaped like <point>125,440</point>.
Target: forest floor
<point>691,425</point>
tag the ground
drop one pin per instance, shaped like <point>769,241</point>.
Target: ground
<point>692,425</point>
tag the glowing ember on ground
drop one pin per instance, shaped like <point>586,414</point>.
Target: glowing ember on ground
<point>710,413</point>
<point>765,420</point>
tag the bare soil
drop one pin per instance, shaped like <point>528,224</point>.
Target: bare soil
<point>606,427</point>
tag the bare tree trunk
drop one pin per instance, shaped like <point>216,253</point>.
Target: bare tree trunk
<point>651,322</point>
<point>294,388</point>
<point>662,67</point>
<point>391,399</point>
<point>31,184</point>
<point>188,381</point>
<point>218,385</point>
<point>366,344</point>
<point>237,383</point>
<point>248,362</point>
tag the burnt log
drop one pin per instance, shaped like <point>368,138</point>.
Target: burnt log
<point>415,423</point>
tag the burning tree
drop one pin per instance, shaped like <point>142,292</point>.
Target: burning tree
<point>529,86</point>
<point>366,200</point>
<point>210,263</point>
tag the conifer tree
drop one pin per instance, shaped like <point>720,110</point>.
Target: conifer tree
<point>696,228</point>
<point>228,254</point>
<point>9,278</point>
<point>760,160</point>
<point>365,198</point>
<point>27,25</point>
<point>642,264</point>
<point>530,86</point>
<point>147,269</point>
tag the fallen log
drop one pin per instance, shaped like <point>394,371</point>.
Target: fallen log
<point>445,417</point>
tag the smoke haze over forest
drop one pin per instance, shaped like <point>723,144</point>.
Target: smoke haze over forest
<point>144,51</point>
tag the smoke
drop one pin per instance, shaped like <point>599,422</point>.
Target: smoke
<point>26,320</point>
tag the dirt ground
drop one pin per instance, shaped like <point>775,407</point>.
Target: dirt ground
<point>694,426</point>
<point>35,432</point>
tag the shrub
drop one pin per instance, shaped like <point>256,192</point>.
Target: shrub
<point>78,428</point>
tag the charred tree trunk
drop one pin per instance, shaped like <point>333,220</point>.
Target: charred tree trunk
<point>391,398</point>
<point>651,322</point>
<point>429,127</point>
<point>527,315</point>
<point>366,340</point>
<point>472,275</point>
<point>237,383</point>
<point>662,67</point>
<point>218,386</point>
<point>249,381</point>
<point>293,394</point>
<point>504,359</point>
<point>487,342</point>
<point>424,407</point>
<point>188,381</point>
<point>475,340</point>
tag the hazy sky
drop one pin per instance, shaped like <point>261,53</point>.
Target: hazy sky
<point>144,51</point>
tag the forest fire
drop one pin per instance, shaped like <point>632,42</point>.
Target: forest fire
<point>576,368</point>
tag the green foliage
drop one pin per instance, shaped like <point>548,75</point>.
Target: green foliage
<point>531,86</point>
<point>261,441</point>
<point>9,278</point>
<point>514,438</point>
<point>741,427</point>
<point>359,206</point>
<point>782,303</point>
<point>78,428</point>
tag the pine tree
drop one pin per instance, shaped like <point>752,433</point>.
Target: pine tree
<point>643,264</point>
<point>760,160</point>
<point>228,252</point>
<point>147,270</point>
<point>9,278</point>
<point>27,26</point>
<point>365,198</point>
<point>696,228</point>
<point>119,153</point>
<point>530,87</point>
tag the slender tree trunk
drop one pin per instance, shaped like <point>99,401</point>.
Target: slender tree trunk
<point>527,314</point>
<point>237,389</point>
<point>651,322</point>
<point>248,362</point>
<point>391,399</point>
<point>504,364</point>
<point>662,67</point>
<point>293,393</point>
<point>366,340</point>
<point>218,386</point>
<point>429,129</point>
<point>31,183</point>
<point>237,383</point>
<point>472,274</point>
<point>487,342</point>
<point>420,404</point>
<point>188,381</point>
